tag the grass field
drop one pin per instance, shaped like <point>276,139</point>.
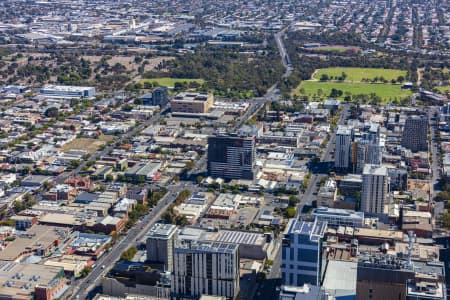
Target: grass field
<point>88,144</point>
<point>357,74</point>
<point>170,82</point>
<point>387,92</point>
<point>330,49</point>
<point>443,89</point>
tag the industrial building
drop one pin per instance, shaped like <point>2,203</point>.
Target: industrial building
<point>65,91</point>
<point>31,281</point>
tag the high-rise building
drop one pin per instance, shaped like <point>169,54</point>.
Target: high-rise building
<point>368,148</point>
<point>375,187</point>
<point>415,133</point>
<point>365,152</point>
<point>160,96</point>
<point>302,252</point>
<point>160,244</point>
<point>205,268</point>
<point>343,147</point>
<point>232,156</point>
<point>359,156</point>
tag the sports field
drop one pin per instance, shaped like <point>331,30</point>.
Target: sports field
<point>353,84</point>
<point>170,82</point>
<point>322,90</point>
<point>358,74</point>
<point>337,49</point>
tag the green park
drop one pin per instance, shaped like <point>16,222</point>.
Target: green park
<point>383,85</point>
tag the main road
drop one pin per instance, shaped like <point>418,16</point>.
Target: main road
<point>82,287</point>
<point>326,159</point>
<point>283,52</point>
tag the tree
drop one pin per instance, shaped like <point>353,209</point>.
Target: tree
<point>442,196</point>
<point>445,219</point>
<point>293,201</point>
<point>324,77</point>
<point>199,179</point>
<point>74,164</point>
<point>290,212</point>
<point>114,235</point>
<point>129,253</point>
<point>85,272</point>
<point>190,165</point>
<point>7,222</point>
<point>48,185</point>
<point>51,112</point>
<point>183,195</point>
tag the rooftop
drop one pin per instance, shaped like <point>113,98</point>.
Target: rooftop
<point>192,96</point>
<point>17,280</point>
<point>336,212</point>
<point>315,230</point>
<point>36,237</point>
<point>375,170</point>
<point>161,231</point>
<point>66,88</point>
<point>344,130</point>
<point>206,247</point>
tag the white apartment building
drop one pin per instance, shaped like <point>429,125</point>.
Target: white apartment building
<point>375,187</point>
<point>205,268</point>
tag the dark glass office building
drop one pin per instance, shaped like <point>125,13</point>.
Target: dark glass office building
<point>232,157</point>
<point>159,97</point>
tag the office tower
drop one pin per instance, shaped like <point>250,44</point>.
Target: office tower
<point>302,252</point>
<point>415,133</point>
<point>160,244</point>
<point>160,96</point>
<point>205,268</point>
<point>232,156</point>
<point>343,146</point>
<point>375,187</point>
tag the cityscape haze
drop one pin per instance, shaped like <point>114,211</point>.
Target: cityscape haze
<point>224,149</point>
